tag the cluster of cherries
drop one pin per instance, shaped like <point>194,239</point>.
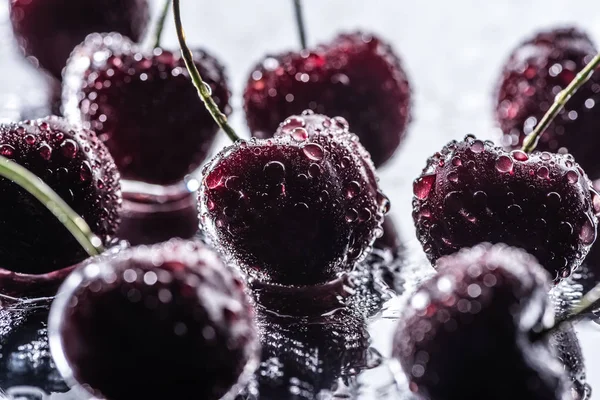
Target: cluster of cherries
<point>297,205</point>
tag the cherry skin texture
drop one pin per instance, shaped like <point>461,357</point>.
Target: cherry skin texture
<point>79,168</point>
<point>144,106</point>
<point>357,76</point>
<point>48,30</point>
<point>297,209</point>
<point>534,74</point>
<point>467,331</point>
<point>157,322</point>
<point>472,191</point>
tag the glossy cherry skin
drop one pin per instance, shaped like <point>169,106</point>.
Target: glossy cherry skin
<point>469,330</point>
<point>534,74</point>
<point>357,76</point>
<point>144,106</point>
<point>472,191</point>
<point>298,209</point>
<point>79,168</point>
<point>157,322</point>
<point>48,30</point>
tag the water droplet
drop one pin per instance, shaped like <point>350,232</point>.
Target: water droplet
<point>425,212</point>
<point>352,189</point>
<point>45,151</point>
<point>553,199</point>
<point>232,183</point>
<point>364,215</point>
<point>274,171</point>
<point>587,234</point>
<point>480,198</point>
<point>346,161</point>
<point>213,180</point>
<point>69,148</point>
<point>519,155</point>
<point>85,172</point>
<point>422,186</point>
<point>453,177</point>
<point>59,136</point>
<point>543,172</point>
<point>30,139</point>
<point>595,201</point>
<point>384,201</point>
<point>326,122</point>
<point>456,161</point>
<point>504,164</point>
<point>314,151</point>
<point>351,215</point>
<point>572,176</point>
<point>7,150</point>
<point>44,126</point>
<point>545,156</point>
<point>314,170</point>
<point>453,201</point>
<point>341,123</point>
<point>210,205</point>
<point>477,146</point>
<point>514,211</point>
<point>565,228</point>
<point>300,134</point>
<point>100,184</point>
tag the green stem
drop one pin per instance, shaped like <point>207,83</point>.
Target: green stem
<point>203,88</point>
<point>582,77</point>
<point>160,24</point>
<point>57,206</point>
<point>300,22</point>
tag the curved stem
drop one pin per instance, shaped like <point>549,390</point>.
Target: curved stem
<point>57,206</point>
<point>203,88</point>
<point>160,24</point>
<point>582,77</point>
<point>300,22</point>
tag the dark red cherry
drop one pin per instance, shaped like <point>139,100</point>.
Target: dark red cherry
<point>77,166</point>
<point>48,30</point>
<point>535,73</point>
<point>357,76</point>
<point>158,322</point>
<point>144,106</point>
<point>467,332</point>
<point>472,191</point>
<point>297,209</point>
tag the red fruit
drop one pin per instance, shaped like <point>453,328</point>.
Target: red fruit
<point>297,209</point>
<point>48,30</point>
<point>357,77</point>
<point>472,191</point>
<point>77,166</point>
<point>143,106</point>
<point>535,73</point>
<point>469,330</point>
<point>158,322</point>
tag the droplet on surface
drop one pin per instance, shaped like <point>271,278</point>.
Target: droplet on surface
<point>422,186</point>
<point>314,151</point>
<point>587,234</point>
<point>69,148</point>
<point>543,172</point>
<point>572,176</point>
<point>299,134</point>
<point>6,150</point>
<point>274,171</point>
<point>504,164</point>
<point>477,146</point>
<point>45,151</point>
<point>352,189</point>
<point>519,155</point>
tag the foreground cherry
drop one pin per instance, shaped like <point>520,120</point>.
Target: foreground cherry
<point>157,322</point>
<point>472,191</point>
<point>534,74</point>
<point>298,209</point>
<point>77,166</point>
<point>48,30</point>
<point>357,77</point>
<point>143,106</point>
<point>472,324</point>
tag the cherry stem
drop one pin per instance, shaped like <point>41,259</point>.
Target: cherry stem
<point>203,89</point>
<point>300,22</point>
<point>531,141</point>
<point>52,201</point>
<point>160,24</point>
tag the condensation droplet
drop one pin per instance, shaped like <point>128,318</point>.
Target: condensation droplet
<point>504,164</point>
<point>572,176</point>
<point>422,186</point>
<point>519,155</point>
<point>352,189</point>
<point>299,134</point>
<point>314,151</point>
<point>543,172</point>
<point>7,150</point>
<point>477,146</point>
<point>587,234</point>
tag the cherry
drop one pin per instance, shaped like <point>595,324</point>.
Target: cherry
<point>297,209</point>
<point>77,166</point>
<point>471,325</point>
<point>48,30</point>
<point>472,191</point>
<point>357,76</point>
<point>143,106</point>
<point>534,74</point>
<point>155,322</point>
